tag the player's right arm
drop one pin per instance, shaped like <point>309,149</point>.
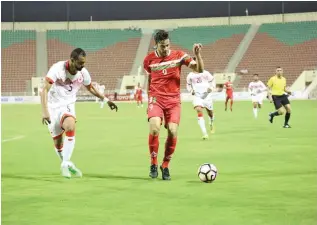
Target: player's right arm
<point>189,85</point>
<point>50,78</point>
<point>269,86</point>
<point>146,66</point>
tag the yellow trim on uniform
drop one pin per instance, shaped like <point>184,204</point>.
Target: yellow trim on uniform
<point>277,85</point>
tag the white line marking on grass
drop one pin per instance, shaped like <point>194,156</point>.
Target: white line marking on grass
<point>12,139</point>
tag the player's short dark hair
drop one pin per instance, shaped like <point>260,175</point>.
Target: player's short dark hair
<point>256,74</point>
<point>161,35</point>
<point>77,52</point>
<point>194,58</point>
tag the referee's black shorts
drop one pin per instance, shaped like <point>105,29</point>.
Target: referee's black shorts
<point>280,100</point>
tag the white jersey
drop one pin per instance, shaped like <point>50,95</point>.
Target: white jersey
<point>200,82</point>
<point>256,88</point>
<point>65,86</point>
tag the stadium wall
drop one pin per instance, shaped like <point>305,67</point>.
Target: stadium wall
<point>166,24</point>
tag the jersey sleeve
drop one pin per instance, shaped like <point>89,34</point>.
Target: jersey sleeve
<point>263,88</point>
<point>51,76</point>
<point>146,65</point>
<point>186,59</point>
<point>87,77</point>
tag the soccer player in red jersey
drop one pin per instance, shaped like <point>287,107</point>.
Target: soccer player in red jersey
<point>229,93</point>
<point>163,67</point>
<point>138,96</point>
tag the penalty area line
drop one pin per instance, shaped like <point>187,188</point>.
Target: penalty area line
<point>13,139</point>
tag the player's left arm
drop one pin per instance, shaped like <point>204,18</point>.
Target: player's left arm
<point>95,92</point>
<point>286,89</point>
<point>211,82</point>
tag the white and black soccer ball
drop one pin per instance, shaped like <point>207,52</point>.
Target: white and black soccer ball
<point>207,172</point>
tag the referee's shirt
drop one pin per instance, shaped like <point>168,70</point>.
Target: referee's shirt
<point>277,85</point>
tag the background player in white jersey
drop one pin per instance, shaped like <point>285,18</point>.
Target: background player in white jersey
<point>256,89</point>
<point>58,97</point>
<point>201,85</point>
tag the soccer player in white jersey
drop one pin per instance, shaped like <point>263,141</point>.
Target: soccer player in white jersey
<point>256,89</point>
<point>58,98</point>
<point>201,85</point>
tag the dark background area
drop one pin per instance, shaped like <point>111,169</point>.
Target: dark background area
<point>28,11</point>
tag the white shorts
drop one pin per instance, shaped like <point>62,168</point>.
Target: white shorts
<point>258,98</point>
<point>57,116</point>
<point>205,103</point>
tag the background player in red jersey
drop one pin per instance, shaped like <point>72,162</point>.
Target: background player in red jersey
<point>164,68</point>
<point>138,96</point>
<point>229,93</point>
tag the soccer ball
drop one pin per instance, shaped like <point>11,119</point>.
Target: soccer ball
<point>207,172</point>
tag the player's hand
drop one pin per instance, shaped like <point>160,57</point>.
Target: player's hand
<point>46,118</point>
<point>112,106</point>
<point>193,92</point>
<point>197,48</point>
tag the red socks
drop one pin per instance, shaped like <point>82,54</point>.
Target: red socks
<point>170,145</point>
<point>153,147</point>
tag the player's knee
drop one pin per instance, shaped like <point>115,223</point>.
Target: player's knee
<point>172,130</point>
<point>155,124</point>
<point>69,124</point>
<point>199,109</point>
<point>280,111</point>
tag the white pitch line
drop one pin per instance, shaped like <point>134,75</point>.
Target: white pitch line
<point>12,139</point>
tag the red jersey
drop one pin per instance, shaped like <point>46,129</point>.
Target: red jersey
<point>165,73</point>
<point>229,87</point>
<point>138,92</point>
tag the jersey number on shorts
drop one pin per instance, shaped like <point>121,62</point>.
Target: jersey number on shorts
<point>68,109</point>
<point>164,71</point>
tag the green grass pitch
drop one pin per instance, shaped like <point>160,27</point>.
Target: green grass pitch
<point>267,174</point>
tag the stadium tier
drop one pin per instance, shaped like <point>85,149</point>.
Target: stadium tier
<point>110,53</point>
<point>292,46</point>
<point>18,51</point>
<point>219,44</point>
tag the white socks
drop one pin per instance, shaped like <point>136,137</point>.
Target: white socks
<point>102,104</point>
<point>201,122</point>
<point>69,145</point>
<point>255,112</point>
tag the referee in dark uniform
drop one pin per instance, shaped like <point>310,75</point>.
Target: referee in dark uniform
<point>277,90</point>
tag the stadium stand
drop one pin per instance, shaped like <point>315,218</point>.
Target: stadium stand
<point>110,53</point>
<point>292,46</point>
<point>18,51</point>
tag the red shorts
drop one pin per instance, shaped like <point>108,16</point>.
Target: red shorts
<point>169,111</point>
<point>139,98</point>
<point>229,95</point>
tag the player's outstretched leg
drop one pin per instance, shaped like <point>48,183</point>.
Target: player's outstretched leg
<point>155,124</point>
<point>201,122</point>
<point>211,120</point>
<point>276,113</point>
<point>255,110</point>
<point>170,146</point>
<point>67,166</point>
